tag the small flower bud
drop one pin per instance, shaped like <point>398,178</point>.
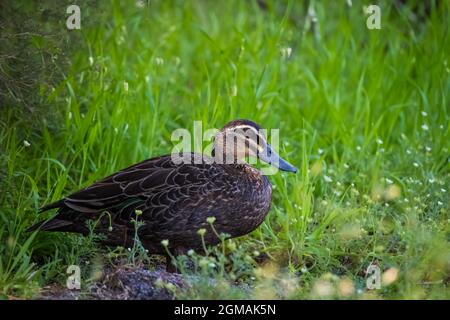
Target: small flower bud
<point>203,262</point>
<point>231,245</point>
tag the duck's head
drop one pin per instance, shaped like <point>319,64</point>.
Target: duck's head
<point>244,138</point>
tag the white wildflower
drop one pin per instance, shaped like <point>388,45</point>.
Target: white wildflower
<point>286,52</point>
<point>234,91</point>
<point>159,61</point>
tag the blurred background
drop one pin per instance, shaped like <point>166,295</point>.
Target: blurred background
<point>363,112</point>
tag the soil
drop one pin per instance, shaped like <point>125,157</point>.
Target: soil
<point>121,283</point>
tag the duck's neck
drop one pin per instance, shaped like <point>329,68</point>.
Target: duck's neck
<point>225,158</point>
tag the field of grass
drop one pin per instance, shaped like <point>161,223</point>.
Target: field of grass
<point>363,113</point>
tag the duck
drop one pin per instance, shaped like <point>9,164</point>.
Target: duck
<point>174,195</point>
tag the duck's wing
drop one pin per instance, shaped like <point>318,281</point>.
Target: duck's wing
<point>151,186</point>
<point>131,183</point>
<point>153,179</point>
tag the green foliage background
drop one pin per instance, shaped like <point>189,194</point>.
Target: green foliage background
<point>364,114</point>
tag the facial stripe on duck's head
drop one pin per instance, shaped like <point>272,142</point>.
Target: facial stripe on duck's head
<point>241,138</point>
<point>241,123</point>
<point>238,139</point>
<point>247,128</point>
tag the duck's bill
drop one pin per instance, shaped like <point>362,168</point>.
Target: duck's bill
<point>271,157</point>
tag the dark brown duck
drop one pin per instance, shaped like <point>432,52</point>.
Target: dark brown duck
<point>177,198</point>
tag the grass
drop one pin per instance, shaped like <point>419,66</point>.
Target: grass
<point>363,113</point>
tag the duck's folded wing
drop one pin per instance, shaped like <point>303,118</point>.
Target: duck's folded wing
<point>153,182</point>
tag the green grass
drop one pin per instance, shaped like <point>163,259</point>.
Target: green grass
<point>363,113</point>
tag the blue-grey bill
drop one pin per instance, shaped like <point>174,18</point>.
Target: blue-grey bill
<point>271,157</point>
